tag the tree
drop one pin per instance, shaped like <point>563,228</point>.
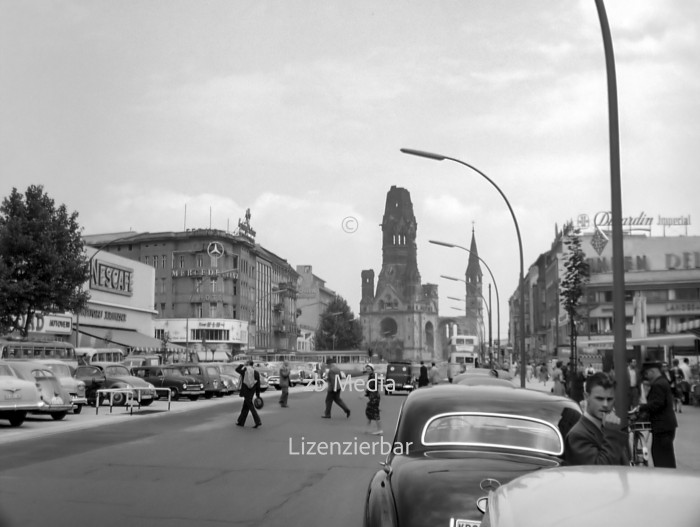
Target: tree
<point>43,265</point>
<point>572,286</point>
<point>338,328</point>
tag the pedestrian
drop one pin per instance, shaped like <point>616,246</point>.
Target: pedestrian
<point>659,405</point>
<point>634,383</point>
<point>544,374</point>
<point>678,378</point>
<point>372,392</point>
<point>597,439</point>
<point>250,386</point>
<point>558,378</point>
<point>434,375</point>
<point>685,367</point>
<point>530,372</point>
<point>423,376</point>
<point>671,378</point>
<point>334,388</point>
<point>284,384</point>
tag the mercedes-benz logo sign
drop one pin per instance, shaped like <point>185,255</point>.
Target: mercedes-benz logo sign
<point>215,250</point>
<point>489,484</point>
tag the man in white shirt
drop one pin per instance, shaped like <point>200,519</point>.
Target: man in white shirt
<point>685,368</point>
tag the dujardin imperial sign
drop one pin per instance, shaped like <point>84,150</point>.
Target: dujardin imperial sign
<point>642,221</point>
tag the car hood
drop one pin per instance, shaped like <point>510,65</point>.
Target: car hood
<point>433,488</point>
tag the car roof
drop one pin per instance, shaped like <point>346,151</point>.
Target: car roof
<point>621,495</point>
<point>424,403</point>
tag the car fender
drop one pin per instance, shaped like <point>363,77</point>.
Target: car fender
<point>380,507</point>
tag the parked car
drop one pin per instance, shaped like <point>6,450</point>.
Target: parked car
<point>75,387</point>
<point>264,370</point>
<point>207,374</point>
<point>582,496</point>
<point>229,376</point>
<point>294,379</point>
<point>57,400</point>
<point>171,377</point>
<point>102,375</point>
<point>17,396</point>
<point>131,361</point>
<point>399,377</point>
<point>453,443</point>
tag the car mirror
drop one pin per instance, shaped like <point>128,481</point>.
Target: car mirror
<point>386,467</point>
<point>482,504</point>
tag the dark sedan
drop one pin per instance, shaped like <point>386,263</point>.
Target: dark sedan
<point>454,443</point>
<point>172,378</point>
<point>112,375</point>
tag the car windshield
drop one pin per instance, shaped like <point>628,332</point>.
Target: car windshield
<point>59,370</point>
<point>117,371</point>
<point>493,430</point>
<point>192,370</point>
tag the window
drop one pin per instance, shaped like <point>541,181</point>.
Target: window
<point>146,260</point>
<point>198,285</point>
<point>197,310</point>
<point>212,284</point>
<point>687,294</point>
<point>200,260</point>
<point>235,290</point>
<point>212,309</point>
<point>182,262</point>
<point>162,260</point>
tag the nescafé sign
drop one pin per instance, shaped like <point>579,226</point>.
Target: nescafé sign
<point>111,278</point>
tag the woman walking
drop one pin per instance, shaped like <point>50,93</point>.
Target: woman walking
<point>372,410</point>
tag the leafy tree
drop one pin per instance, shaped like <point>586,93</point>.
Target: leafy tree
<point>572,286</point>
<point>338,328</point>
<point>42,260</point>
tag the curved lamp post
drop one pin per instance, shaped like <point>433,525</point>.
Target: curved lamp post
<point>439,157</point>
<point>618,265</point>
<point>493,280</point>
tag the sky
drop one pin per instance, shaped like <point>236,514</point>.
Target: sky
<point>164,115</point>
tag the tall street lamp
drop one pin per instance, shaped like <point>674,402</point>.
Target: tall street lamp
<point>493,280</point>
<point>618,264</point>
<point>439,157</point>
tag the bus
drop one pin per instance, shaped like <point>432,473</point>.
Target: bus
<point>463,354</point>
<point>90,355</point>
<point>37,350</point>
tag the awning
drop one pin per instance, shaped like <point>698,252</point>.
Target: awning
<point>133,340</point>
<point>674,339</point>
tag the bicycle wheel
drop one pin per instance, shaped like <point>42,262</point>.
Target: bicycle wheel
<point>640,454</point>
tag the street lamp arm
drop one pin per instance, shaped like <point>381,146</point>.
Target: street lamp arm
<point>439,157</point>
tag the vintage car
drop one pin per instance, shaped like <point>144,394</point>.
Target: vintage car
<point>75,387</point>
<point>57,400</point>
<point>17,396</point>
<point>595,495</point>
<point>482,380</point>
<point>208,374</point>
<point>111,375</point>
<point>398,378</point>
<point>453,443</point>
<point>170,377</point>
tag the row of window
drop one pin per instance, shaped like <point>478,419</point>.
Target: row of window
<point>651,295</point>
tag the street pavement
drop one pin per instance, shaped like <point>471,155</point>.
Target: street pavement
<point>687,449</point>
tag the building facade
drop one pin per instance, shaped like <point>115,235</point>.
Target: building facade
<point>662,295</point>
<point>215,292</point>
<point>313,297</point>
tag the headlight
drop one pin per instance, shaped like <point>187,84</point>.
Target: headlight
<point>184,385</point>
<point>201,386</point>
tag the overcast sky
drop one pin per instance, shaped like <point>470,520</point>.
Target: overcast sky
<point>130,112</point>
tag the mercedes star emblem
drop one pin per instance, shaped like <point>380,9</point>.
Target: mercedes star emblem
<point>215,250</point>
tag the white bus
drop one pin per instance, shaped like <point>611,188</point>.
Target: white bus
<point>89,355</point>
<point>463,354</point>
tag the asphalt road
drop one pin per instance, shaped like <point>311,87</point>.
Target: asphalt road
<point>192,466</point>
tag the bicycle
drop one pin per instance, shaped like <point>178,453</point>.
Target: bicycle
<point>639,430</point>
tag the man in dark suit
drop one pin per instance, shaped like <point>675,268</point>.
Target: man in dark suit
<point>423,377</point>
<point>596,439</point>
<point>250,386</point>
<point>663,418</point>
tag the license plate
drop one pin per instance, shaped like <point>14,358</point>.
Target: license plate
<point>146,396</point>
<point>467,523</point>
<point>13,396</point>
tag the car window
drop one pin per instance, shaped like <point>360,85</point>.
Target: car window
<point>493,430</point>
<point>88,371</point>
<point>117,371</point>
<point>211,370</point>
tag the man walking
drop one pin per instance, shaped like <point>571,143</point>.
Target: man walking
<point>250,386</point>
<point>434,375</point>
<point>635,383</point>
<point>333,393</point>
<point>663,419</point>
